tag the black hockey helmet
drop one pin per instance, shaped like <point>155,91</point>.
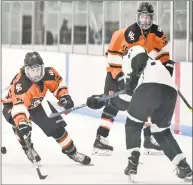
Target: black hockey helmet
<point>33,59</point>
<point>34,66</point>
<point>145,14</point>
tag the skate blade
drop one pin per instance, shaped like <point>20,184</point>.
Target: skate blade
<point>153,152</point>
<point>132,178</point>
<point>99,152</point>
<point>188,179</point>
<point>90,164</point>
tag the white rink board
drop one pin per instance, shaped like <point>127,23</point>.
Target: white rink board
<point>86,75</point>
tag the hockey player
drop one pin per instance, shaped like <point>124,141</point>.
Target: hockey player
<point>22,105</point>
<point>143,32</point>
<point>152,88</point>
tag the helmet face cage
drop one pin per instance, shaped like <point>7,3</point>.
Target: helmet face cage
<point>35,72</point>
<point>145,20</point>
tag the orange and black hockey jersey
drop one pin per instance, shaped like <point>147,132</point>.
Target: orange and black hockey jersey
<point>25,94</point>
<point>123,39</point>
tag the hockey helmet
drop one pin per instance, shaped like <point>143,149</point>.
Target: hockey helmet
<point>145,13</point>
<point>138,57</point>
<point>34,66</point>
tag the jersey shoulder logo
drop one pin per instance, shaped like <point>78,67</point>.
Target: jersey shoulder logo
<point>131,35</point>
<point>51,72</point>
<point>159,29</point>
<point>18,87</point>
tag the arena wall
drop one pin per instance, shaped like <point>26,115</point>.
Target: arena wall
<point>85,75</point>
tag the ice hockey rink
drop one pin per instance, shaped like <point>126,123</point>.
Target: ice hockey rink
<point>16,169</point>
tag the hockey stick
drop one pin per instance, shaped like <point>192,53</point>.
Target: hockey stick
<point>184,100</point>
<point>104,98</point>
<point>33,158</point>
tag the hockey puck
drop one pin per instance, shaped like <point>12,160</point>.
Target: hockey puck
<point>3,150</point>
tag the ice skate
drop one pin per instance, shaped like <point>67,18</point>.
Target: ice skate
<point>80,158</point>
<point>131,169</point>
<point>184,171</point>
<point>34,153</point>
<point>151,147</point>
<point>101,146</point>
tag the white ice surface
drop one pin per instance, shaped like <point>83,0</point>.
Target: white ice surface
<point>16,169</point>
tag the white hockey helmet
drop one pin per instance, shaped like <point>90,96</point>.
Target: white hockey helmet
<point>134,51</point>
<point>136,55</point>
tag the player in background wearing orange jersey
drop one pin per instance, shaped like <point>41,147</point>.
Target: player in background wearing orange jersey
<point>22,104</point>
<point>144,33</point>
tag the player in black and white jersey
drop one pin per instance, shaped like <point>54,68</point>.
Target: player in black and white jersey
<point>152,88</point>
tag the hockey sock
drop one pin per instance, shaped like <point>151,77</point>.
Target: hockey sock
<point>64,140</point>
<point>107,119</point>
<point>167,142</point>
<point>133,133</point>
<point>103,131</point>
<point>20,139</point>
<point>147,131</point>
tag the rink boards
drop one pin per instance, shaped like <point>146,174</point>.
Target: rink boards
<point>85,75</point>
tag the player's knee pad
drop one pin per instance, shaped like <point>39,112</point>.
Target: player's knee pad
<point>119,104</point>
<point>109,113</point>
<point>133,133</point>
<point>59,133</point>
<point>131,124</point>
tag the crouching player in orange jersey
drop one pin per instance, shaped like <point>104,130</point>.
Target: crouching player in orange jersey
<point>22,104</point>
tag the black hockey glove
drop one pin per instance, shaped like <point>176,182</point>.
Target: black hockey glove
<point>169,65</point>
<point>94,103</point>
<point>66,101</point>
<point>24,128</point>
<point>120,81</point>
<point>131,83</point>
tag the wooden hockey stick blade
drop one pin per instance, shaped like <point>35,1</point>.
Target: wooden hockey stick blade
<point>42,177</point>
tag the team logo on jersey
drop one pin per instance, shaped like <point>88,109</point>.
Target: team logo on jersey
<point>159,29</point>
<point>170,65</point>
<point>124,49</point>
<point>18,87</point>
<point>35,102</point>
<point>131,35</point>
<point>50,72</point>
<point>19,100</point>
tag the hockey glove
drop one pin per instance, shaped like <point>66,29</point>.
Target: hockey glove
<point>169,65</point>
<point>120,81</point>
<point>131,83</point>
<point>24,128</point>
<point>94,103</point>
<point>66,101</point>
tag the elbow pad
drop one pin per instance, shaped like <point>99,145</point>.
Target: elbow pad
<point>169,65</point>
